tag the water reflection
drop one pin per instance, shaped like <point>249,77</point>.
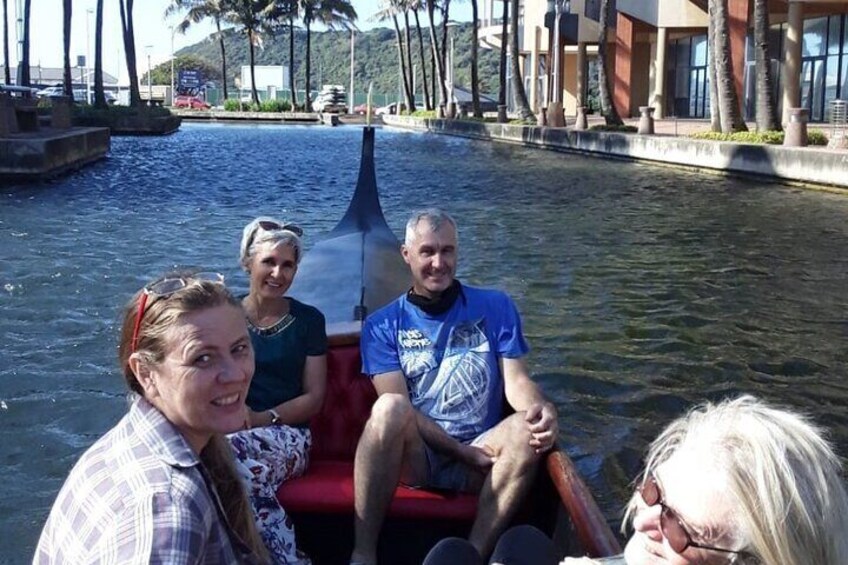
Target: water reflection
<point>643,289</point>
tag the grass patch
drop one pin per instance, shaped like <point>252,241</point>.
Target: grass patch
<point>814,137</point>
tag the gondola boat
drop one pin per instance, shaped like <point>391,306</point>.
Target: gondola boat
<point>354,270</point>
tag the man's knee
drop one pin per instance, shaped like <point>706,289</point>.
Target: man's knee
<point>390,415</point>
<point>517,439</point>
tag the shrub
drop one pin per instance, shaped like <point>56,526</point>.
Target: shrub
<point>275,106</point>
<point>231,105</point>
<point>619,129</point>
<point>814,137</point>
<point>424,114</point>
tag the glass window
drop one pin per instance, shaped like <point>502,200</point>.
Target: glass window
<point>699,51</point>
<point>682,53</point>
<point>775,39</point>
<point>843,91</point>
<point>834,35</point>
<point>814,37</point>
<point>831,79</point>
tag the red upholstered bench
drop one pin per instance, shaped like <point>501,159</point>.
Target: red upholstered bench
<point>327,486</point>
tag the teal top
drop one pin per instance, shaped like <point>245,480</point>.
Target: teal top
<point>280,351</point>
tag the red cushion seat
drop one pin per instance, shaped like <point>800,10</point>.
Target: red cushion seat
<point>328,488</point>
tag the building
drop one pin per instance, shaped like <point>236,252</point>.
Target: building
<point>42,77</point>
<point>658,53</point>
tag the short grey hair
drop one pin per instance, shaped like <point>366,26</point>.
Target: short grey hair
<point>792,506</point>
<point>434,217</point>
<point>253,236</point>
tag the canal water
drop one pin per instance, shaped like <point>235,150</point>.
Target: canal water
<point>643,289</point>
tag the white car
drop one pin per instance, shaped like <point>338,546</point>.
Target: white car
<point>388,109</point>
<point>49,91</point>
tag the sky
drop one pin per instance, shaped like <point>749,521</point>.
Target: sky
<point>152,32</point>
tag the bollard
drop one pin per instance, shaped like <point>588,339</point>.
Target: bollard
<point>581,123</point>
<point>556,119</point>
<point>542,117</point>
<point>646,121</point>
<point>440,112</point>
<point>60,113</point>
<point>452,110</point>
<point>796,129</point>
<point>502,119</point>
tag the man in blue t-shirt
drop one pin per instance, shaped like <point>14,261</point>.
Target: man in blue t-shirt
<point>443,358</point>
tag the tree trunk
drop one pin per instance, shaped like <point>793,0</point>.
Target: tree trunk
<point>253,92</point>
<point>291,64</point>
<point>522,106</point>
<point>766,108</point>
<point>427,102</point>
<point>308,23</point>
<point>409,64</point>
<point>715,122</point>
<point>23,70</point>
<point>67,10</point>
<point>7,68</point>
<point>129,49</point>
<point>99,95</point>
<point>402,65</point>
<point>728,100</point>
<point>223,57</point>
<point>445,12</point>
<point>475,86</point>
<point>608,109</point>
<point>502,64</point>
<point>434,45</point>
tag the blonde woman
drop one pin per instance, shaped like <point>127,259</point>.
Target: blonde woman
<point>290,343</point>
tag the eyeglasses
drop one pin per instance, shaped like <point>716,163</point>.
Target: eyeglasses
<point>268,225</point>
<point>672,527</point>
<point>166,287</point>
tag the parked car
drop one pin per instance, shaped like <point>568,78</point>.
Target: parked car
<point>387,109</point>
<point>191,102</point>
<point>362,109</point>
<point>49,91</point>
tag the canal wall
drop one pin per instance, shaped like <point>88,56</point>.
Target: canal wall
<point>48,153</point>
<point>820,167</point>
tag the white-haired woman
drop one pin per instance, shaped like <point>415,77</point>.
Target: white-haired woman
<point>740,481</point>
<point>290,343</point>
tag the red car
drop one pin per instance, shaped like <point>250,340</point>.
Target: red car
<point>362,109</point>
<point>191,102</point>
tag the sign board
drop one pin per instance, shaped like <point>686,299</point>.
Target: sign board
<point>190,79</point>
<point>266,75</point>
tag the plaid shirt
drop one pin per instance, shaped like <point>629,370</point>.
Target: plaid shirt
<point>138,495</point>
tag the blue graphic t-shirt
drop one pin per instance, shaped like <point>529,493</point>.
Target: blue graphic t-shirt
<point>450,360</point>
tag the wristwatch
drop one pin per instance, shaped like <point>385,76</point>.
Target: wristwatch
<point>275,417</point>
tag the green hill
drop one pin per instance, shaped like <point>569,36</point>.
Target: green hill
<point>376,58</point>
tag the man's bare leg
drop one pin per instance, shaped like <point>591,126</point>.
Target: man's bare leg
<point>506,484</point>
<point>390,450</point>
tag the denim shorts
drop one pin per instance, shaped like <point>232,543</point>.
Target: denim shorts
<point>446,473</point>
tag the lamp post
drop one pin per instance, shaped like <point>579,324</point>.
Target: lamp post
<point>149,71</point>
<point>173,30</point>
<point>451,70</point>
<point>352,100</point>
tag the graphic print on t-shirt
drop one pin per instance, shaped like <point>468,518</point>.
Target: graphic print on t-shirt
<point>454,392</point>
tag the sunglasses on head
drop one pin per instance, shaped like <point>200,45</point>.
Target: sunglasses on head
<point>671,525</point>
<point>269,225</point>
<point>167,286</point>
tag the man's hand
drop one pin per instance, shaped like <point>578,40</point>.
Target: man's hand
<point>541,418</point>
<point>480,457</point>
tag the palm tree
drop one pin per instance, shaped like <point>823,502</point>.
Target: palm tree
<point>128,33</point>
<point>730,115</point>
<point>475,86</point>
<point>6,67</point>
<point>250,15</point>
<point>23,65</point>
<point>715,123</point>
<point>197,11</point>
<point>415,5</point>
<point>502,64</point>
<point>291,59</point>
<point>518,92</point>
<point>66,44</point>
<point>390,10</point>
<point>436,53</point>
<point>766,109</point>
<point>331,13</point>
<point>608,109</point>
<point>411,94</point>
<point>99,95</point>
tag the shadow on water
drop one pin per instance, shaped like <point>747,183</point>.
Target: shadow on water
<point>642,289</point>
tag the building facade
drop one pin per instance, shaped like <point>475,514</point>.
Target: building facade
<point>658,53</point>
